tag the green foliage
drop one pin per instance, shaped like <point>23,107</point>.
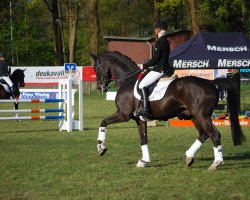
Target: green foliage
<point>223,15</point>
<point>33,34</point>
<point>175,13</point>
<point>120,18</point>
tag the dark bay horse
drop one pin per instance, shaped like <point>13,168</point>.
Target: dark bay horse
<point>17,78</point>
<point>186,98</point>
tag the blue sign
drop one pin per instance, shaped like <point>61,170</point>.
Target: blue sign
<point>245,70</point>
<point>69,67</point>
<point>39,95</point>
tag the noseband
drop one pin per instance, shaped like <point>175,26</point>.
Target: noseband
<point>103,80</point>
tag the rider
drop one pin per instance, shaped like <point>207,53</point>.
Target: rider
<point>4,73</point>
<point>158,65</point>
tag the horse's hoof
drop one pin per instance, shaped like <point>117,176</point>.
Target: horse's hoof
<point>189,161</point>
<point>102,152</point>
<point>141,164</point>
<point>101,148</point>
<point>216,165</point>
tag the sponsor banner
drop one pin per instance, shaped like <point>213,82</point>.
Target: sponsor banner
<point>220,63</point>
<point>39,94</point>
<point>47,75</point>
<point>88,73</point>
<point>216,122</point>
<point>236,63</point>
<point>182,64</point>
<point>220,73</point>
<point>207,73</point>
<point>243,122</point>
<point>244,70</point>
<point>227,49</point>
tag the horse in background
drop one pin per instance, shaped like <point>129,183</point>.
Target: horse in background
<point>186,98</point>
<point>17,78</point>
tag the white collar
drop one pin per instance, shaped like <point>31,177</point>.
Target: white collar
<point>161,33</point>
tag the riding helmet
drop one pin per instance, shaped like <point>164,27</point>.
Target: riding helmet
<point>2,54</point>
<point>161,24</point>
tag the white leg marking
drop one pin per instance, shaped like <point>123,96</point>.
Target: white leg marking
<point>102,134</point>
<point>218,158</point>
<point>193,149</point>
<point>145,153</point>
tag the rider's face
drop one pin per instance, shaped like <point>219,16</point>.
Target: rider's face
<point>157,30</point>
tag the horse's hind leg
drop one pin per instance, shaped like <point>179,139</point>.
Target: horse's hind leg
<point>208,129</point>
<point>196,145</point>
<point>218,157</point>
<point>115,118</point>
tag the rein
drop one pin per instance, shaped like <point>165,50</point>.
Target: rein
<point>126,77</point>
<point>99,66</point>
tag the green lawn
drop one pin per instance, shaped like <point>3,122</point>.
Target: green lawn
<point>39,162</point>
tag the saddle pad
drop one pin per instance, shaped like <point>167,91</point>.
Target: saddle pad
<point>158,91</point>
<point>6,87</point>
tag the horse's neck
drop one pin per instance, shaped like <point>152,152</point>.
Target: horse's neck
<point>12,78</point>
<point>124,77</point>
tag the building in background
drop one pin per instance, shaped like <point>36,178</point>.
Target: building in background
<point>140,49</point>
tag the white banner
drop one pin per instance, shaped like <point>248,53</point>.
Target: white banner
<point>47,75</point>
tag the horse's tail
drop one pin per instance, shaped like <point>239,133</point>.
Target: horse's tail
<point>233,106</point>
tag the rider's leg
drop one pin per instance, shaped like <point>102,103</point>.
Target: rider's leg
<point>150,78</point>
<point>13,88</point>
<point>144,111</point>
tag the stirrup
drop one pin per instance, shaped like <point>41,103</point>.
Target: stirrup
<point>143,113</point>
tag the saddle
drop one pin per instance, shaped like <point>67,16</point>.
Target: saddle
<point>5,85</point>
<point>156,90</point>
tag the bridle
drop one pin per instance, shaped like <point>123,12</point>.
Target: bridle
<point>99,68</point>
<point>102,81</point>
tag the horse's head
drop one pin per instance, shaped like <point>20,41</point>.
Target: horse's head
<point>17,77</point>
<point>103,73</point>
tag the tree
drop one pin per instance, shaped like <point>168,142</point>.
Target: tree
<point>225,15</point>
<point>53,6</point>
<point>72,15</point>
<point>175,13</point>
<point>94,26</point>
<point>193,15</point>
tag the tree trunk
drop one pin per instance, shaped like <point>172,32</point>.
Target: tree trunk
<point>72,10</point>
<point>53,7</point>
<point>94,26</point>
<point>193,16</point>
<point>157,11</point>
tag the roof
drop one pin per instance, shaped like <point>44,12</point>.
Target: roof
<point>128,38</point>
<point>117,38</point>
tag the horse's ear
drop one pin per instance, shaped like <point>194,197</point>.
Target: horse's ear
<point>24,70</point>
<point>93,56</point>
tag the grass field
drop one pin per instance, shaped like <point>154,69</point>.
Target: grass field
<point>39,162</point>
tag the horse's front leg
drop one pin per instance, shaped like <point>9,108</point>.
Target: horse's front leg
<point>142,126</point>
<point>16,108</point>
<point>115,118</point>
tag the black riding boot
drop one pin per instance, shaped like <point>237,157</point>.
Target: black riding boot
<point>144,111</point>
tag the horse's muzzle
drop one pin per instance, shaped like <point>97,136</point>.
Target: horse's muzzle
<point>21,84</point>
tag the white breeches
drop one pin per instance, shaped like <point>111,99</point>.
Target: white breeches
<point>8,81</point>
<point>150,78</point>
